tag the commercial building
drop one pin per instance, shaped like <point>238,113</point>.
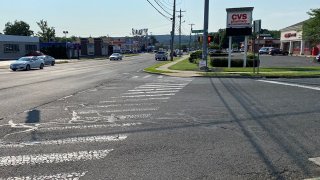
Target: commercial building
<point>13,47</point>
<point>265,40</point>
<point>293,42</point>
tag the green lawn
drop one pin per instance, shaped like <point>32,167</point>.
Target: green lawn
<point>153,69</point>
<point>185,65</point>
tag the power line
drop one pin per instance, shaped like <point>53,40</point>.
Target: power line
<point>158,10</point>
<point>162,8</point>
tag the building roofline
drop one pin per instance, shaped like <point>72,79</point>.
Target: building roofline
<point>294,27</point>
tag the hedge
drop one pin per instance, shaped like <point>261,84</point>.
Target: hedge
<point>223,62</point>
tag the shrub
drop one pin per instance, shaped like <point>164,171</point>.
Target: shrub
<point>194,56</point>
<point>223,62</point>
<point>218,54</point>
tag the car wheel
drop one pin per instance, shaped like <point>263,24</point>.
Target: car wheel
<point>41,66</point>
<point>52,63</point>
<point>28,67</point>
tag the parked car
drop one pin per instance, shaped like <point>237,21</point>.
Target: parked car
<point>277,51</point>
<point>48,60</point>
<point>161,55</point>
<point>27,63</point>
<point>265,50</point>
<point>115,56</point>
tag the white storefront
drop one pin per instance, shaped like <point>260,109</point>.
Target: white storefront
<point>13,47</point>
<point>292,40</point>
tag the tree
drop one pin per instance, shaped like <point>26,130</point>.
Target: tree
<point>311,27</point>
<point>19,28</point>
<point>153,40</point>
<point>47,33</point>
<point>274,33</point>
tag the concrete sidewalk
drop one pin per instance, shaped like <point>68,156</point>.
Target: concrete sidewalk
<point>177,73</point>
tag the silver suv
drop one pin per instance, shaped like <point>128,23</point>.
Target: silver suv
<point>161,55</point>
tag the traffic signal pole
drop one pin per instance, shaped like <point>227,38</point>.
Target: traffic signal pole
<point>173,29</point>
<point>205,33</point>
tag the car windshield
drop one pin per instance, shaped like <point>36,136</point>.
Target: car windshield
<point>115,54</point>
<point>161,52</point>
<point>24,59</point>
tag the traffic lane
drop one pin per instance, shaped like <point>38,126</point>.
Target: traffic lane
<point>270,120</point>
<point>18,98</point>
<point>24,77</point>
<point>286,61</point>
<point>230,129</point>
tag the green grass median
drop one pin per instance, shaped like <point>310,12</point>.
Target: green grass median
<point>153,68</point>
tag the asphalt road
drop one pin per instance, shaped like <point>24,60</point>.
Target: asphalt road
<point>110,120</point>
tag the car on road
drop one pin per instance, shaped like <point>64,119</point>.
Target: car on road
<point>48,60</point>
<point>27,63</point>
<point>277,51</point>
<point>318,58</point>
<point>115,56</point>
<point>265,50</point>
<point>161,55</point>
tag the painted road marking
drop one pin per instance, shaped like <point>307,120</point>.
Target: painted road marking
<point>146,90</point>
<point>121,105</point>
<point>135,77</point>
<point>291,84</point>
<point>73,175</point>
<point>160,77</point>
<point>315,160</point>
<point>76,140</point>
<point>147,76</point>
<point>317,178</point>
<point>94,126</point>
<point>119,110</point>
<point>53,158</point>
<point>151,92</point>
<point>114,118</point>
<point>149,95</point>
<point>137,100</point>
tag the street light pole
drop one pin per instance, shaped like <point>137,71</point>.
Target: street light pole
<point>65,37</point>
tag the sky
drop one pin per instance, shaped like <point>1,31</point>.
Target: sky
<point>117,17</point>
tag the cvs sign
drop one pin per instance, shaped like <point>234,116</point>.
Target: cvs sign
<point>239,17</point>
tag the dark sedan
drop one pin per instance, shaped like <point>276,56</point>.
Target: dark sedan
<point>277,51</point>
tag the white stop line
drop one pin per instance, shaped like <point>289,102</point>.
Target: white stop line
<point>291,84</point>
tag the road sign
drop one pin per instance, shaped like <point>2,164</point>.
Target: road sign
<point>197,31</point>
<point>257,26</point>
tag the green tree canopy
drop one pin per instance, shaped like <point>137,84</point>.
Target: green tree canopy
<point>47,33</point>
<point>274,33</point>
<point>311,28</point>
<point>153,40</point>
<point>19,28</point>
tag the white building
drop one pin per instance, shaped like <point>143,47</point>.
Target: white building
<point>13,47</point>
<point>292,40</point>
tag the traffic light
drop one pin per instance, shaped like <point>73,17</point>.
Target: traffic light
<point>210,38</point>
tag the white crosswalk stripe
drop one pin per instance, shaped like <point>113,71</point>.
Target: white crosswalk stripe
<point>89,139</point>
<point>147,76</point>
<point>60,176</point>
<point>53,158</point>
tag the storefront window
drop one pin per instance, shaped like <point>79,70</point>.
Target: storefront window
<point>296,46</point>
<point>11,48</point>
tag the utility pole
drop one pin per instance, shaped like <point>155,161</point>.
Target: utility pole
<point>180,16</point>
<point>173,29</point>
<point>205,33</point>
<point>190,35</point>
